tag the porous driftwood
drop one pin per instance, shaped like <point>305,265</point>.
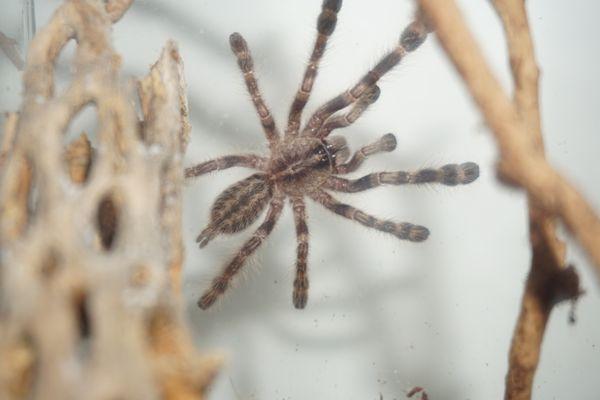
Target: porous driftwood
<point>90,236</point>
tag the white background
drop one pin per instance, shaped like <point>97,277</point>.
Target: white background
<point>383,315</point>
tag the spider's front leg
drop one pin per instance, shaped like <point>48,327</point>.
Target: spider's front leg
<point>449,175</point>
<point>240,49</point>
<point>325,27</point>
<point>221,163</point>
<point>221,283</point>
<point>402,230</point>
<point>410,39</point>
<point>300,295</point>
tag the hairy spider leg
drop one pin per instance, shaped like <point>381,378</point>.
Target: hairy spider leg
<point>244,58</point>
<point>410,39</point>
<point>402,230</point>
<point>325,26</point>
<point>337,121</point>
<point>221,282</point>
<point>385,144</point>
<point>450,175</point>
<point>300,295</point>
<point>221,163</point>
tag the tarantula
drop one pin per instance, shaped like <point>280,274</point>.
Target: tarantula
<point>307,161</point>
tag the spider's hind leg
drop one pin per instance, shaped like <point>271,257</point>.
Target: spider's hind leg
<point>402,230</point>
<point>300,295</point>
<point>221,282</point>
<point>221,163</point>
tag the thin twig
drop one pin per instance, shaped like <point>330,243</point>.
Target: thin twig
<point>518,131</point>
<point>548,281</point>
<point>547,251</point>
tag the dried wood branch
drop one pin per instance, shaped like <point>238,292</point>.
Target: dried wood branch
<point>521,161</point>
<point>518,131</point>
<point>548,280</point>
<point>116,8</point>
<point>81,317</point>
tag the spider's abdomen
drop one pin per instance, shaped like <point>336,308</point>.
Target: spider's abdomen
<point>240,204</point>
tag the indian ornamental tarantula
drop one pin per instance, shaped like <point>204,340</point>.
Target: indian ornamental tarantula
<point>307,161</point>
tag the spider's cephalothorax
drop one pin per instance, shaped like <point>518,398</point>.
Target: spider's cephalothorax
<point>307,161</point>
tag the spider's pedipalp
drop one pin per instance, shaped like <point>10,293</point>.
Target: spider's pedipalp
<point>221,283</point>
<point>450,175</point>
<point>411,38</point>
<point>402,230</point>
<point>218,164</point>
<point>300,295</point>
<point>240,49</point>
<point>385,144</point>
<point>342,121</point>
<point>325,26</point>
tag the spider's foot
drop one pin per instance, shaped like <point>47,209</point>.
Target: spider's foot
<point>414,233</point>
<point>209,297</point>
<point>454,174</point>
<point>205,237</point>
<point>300,296</point>
<point>207,300</point>
<point>470,172</point>
<point>387,142</point>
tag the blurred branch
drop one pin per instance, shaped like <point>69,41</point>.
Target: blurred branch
<point>116,8</point>
<point>10,48</point>
<point>91,239</point>
<point>522,162</point>
<point>517,127</point>
<point>548,281</point>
